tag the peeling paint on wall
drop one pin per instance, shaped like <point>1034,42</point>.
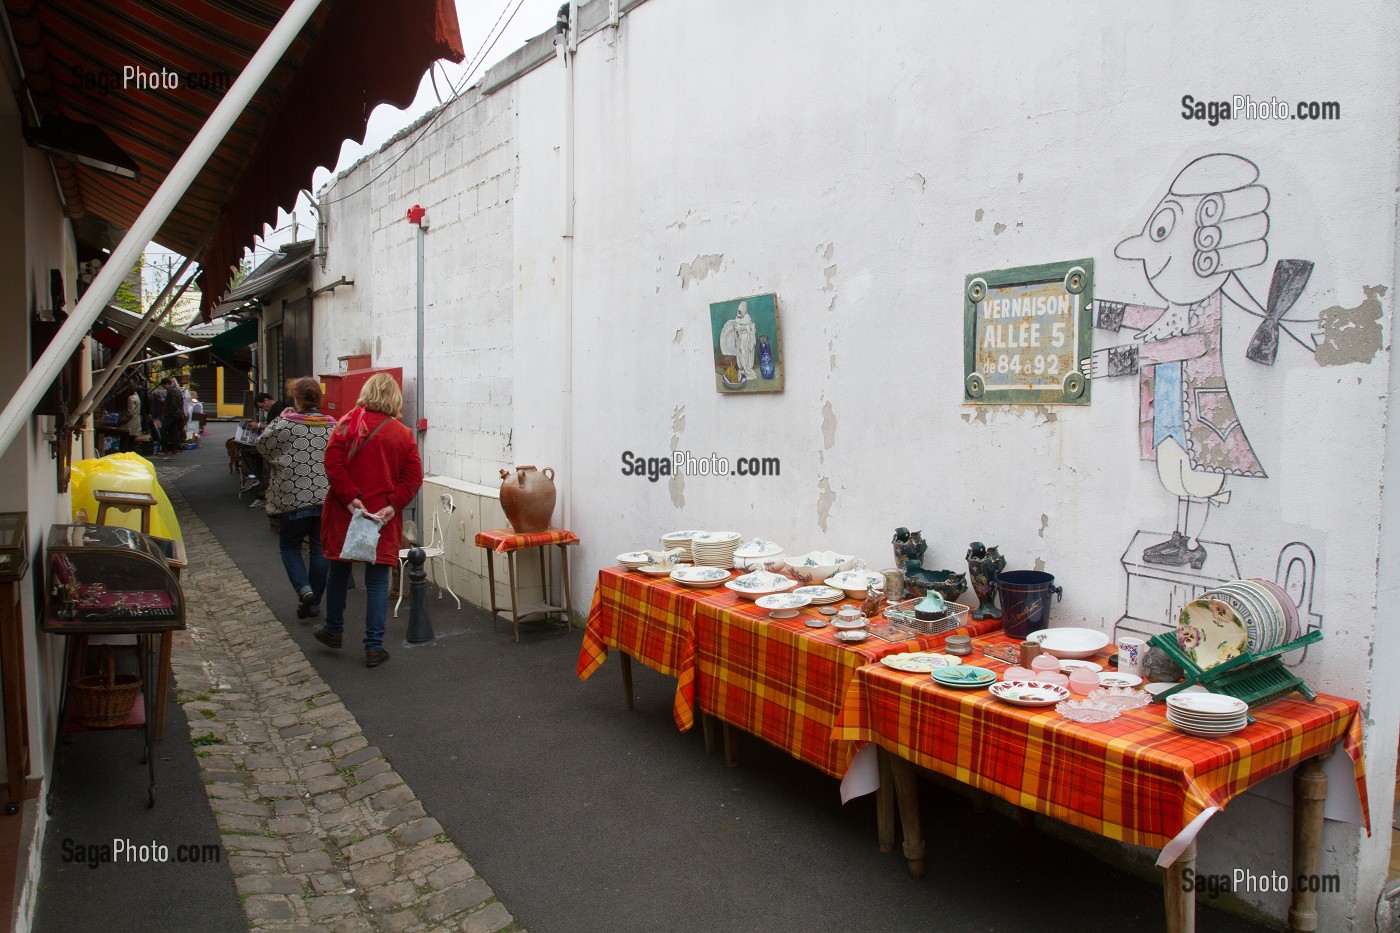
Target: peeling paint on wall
<point>825,501</point>
<point>680,331</point>
<point>1351,335</point>
<point>677,422</point>
<point>1044,524</point>
<point>831,355</point>
<point>1039,565</point>
<point>698,268</point>
<point>828,427</point>
<point>676,484</point>
<point>998,228</point>
<point>980,213</point>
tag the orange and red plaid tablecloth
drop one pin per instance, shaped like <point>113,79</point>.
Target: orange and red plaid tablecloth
<point>651,619</point>
<point>785,682</point>
<point>505,540</point>
<point>1135,778</point>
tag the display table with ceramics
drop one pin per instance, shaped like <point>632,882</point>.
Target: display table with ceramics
<point>1137,778</point>
<point>507,541</point>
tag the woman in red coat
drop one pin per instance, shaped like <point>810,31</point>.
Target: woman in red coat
<point>373,467</point>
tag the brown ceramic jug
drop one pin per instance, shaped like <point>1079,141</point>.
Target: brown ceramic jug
<point>527,498</point>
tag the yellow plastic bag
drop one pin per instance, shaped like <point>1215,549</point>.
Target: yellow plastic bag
<point>122,473</point>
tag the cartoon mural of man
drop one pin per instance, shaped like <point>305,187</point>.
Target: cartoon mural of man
<point>1212,222</point>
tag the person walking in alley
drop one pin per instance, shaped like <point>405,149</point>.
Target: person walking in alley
<point>373,467</point>
<point>293,449</point>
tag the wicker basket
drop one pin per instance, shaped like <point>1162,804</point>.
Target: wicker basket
<point>104,699</point>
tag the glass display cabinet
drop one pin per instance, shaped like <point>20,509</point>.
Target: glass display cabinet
<point>104,580</point>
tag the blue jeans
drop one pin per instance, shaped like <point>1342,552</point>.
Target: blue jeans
<point>297,527</point>
<point>376,600</point>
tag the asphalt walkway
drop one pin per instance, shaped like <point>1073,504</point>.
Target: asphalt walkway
<point>354,797</point>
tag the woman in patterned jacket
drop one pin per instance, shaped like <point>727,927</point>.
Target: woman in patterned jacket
<point>294,447</point>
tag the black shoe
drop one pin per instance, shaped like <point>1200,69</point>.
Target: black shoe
<point>307,607</point>
<point>1172,552</point>
<point>325,637</point>
<point>375,657</point>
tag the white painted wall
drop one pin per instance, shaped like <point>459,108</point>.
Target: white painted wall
<point>860,161</point>
<point>463,173</point>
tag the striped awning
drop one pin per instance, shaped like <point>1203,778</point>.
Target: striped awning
<point>110,62</point>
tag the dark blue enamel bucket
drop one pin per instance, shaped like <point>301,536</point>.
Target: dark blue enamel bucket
<point>1025,600</point>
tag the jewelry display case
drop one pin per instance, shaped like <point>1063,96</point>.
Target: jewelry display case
<point>103,579</point>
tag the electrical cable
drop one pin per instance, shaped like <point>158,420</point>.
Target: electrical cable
<point>457,91</point>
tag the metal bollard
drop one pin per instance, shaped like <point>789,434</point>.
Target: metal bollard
<point>420,627</point>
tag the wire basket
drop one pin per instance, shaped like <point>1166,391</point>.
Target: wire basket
<point>104,699</point>
<point>901,615</point>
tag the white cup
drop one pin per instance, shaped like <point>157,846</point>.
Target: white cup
<point>1131,652</point>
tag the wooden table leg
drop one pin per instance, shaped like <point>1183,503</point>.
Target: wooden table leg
<point>162,682</point>
<point>707,726</point>
<point>568,596</point>
<point>1309,799</point>
<point>514,607</point>
<point>906,789</point>
<point>1180,902</point>
<point>731,746</point>
<point>884,802</point>
<point>627,679</point>
<point>491,581</point>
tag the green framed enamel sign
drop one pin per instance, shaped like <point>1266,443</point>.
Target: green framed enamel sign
<point>1025,331</point>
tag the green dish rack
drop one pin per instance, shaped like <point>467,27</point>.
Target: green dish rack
<point>1253,677</point>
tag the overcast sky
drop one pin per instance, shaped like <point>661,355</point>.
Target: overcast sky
<point>506,23</point>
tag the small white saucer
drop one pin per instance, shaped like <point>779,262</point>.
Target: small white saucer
<point>814,623</point>
<point>854,637</point>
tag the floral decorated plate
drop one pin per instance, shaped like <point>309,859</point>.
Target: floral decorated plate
<point>760,583</point>
<point>853,637</point>
<point>820,595</point>
<point>634,558</point>
<point>1210,632</point>
<point>965,677</point>
<point>920,662</point>
<point>781,601</point>
<point>714,537</point>
<point>1074,664</point>
<point>677,537</point>
<point>1029,692</point>
<point>1116,679</point>
<point>699,576</point>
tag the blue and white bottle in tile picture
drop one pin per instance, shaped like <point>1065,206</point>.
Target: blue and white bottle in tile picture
<point>765,357</point>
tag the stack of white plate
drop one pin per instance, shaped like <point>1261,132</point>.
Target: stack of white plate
<point>634,559</point>
<point>680,539</point>
<point>715,548</point>
<point>1207,714</point>
<point>820,595</point>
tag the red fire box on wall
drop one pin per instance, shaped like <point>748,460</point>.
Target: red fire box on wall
<point>343,388</point>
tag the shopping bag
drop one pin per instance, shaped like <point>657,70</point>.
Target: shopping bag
<point>361,539</point>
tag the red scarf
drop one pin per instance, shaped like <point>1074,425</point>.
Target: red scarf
<point>355,424</point>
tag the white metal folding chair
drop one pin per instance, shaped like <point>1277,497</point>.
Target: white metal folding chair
<point>434,550</point>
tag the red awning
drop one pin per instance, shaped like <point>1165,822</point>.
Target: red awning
<point>352,56</point>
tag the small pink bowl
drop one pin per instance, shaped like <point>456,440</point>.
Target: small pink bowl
<point>1019,673</point>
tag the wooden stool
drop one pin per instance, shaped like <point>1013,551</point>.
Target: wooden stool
<point>507,541</point>
<point>125,502</point>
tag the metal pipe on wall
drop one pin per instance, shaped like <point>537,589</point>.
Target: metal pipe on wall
<point>21,406</point>
<point>567,51</point>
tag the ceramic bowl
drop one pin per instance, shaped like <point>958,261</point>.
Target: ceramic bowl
<point>857,624</point>
<point>855,582</point>
<point>1070,642</point>
<point>760,583</point>
<point>816,566</point>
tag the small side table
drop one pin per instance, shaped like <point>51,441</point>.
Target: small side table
<point>507,541</point>
<point>125,502</point>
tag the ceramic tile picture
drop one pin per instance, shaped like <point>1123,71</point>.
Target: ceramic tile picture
<point>746,344</point>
